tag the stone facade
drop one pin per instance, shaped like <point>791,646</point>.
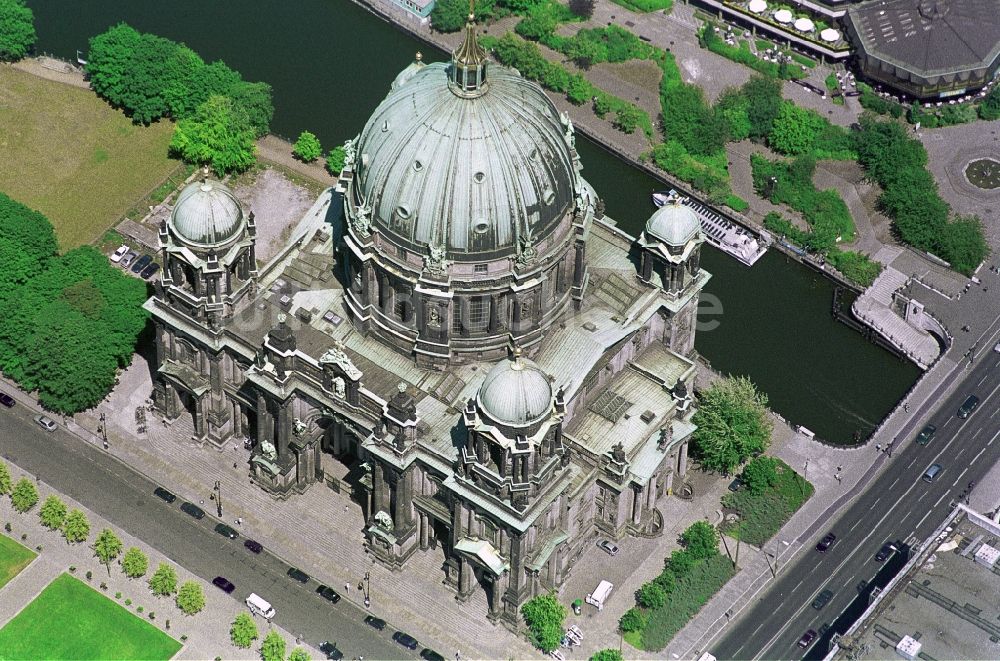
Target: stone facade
<point>503,408</point>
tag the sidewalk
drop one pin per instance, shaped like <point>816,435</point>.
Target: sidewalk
<point>207,632</point>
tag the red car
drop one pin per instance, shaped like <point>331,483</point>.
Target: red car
<point>825,543</point>
<point>807,638</point>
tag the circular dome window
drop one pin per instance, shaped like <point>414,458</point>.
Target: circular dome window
<point>403,211</point>
<point>481,226</point>
<point>479,177</point>
<point>418,166</point>
<point>548,196</point>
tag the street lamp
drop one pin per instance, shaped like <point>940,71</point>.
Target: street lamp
<point>218,497</point>
<point>368,589</point>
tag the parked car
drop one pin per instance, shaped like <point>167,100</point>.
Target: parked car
<point>608,547</point>
<point>252,546</point>
<point>226,531</point>
<point>328,593</point>
<point>375,622</point>
<point>117,255</point>
<point>825,543</point>
<point>330,650</point>
<point>427,654</point>
<point>298,575</point>
<point>807,638</point>
<point>223,584</point>
<point>141,263</point>
<point>822,599</point>
<point>926,434</point>
<point>736,484</point>
<point>405,639</point>
<point>885,552</point>
<point>7,400</point>
<point>970,404</point>
<point>193,510</point>
<point>45,422</point>
<point>163,494</point>
<point>128,258</point>
<point>150,271</point>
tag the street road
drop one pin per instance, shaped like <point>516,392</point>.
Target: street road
<point>124,497</point>
<point>897,505</point>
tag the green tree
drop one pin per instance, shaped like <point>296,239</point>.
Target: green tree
<point>256,103</point>
<point>299,654</point>
<point>651,595</point>
<point>680,563</point>
<point>76,528</point>
<point>272,648</point>
<point>544,616</point>
<point>609,654</point>
<point>989,108</point>
<point>5,479</point>
<point>109,61</point>
<point>760,474</point>
<point>24,496</point>
<point>451,15</point>
<point>307,147</point>
<point>190,598</point>
<point>732,424</point>
<point>335,160</point>
<point>53,513</point>
<point>701,540</point>
<point>163,582</point>
<point>627,118</point>
<point>107,547</point>
<point>27,243</point>
<point>210,80</point>
<point>243,631</point>
<point>963,244</point>
<point>632,620</point>
<point>219,134</point>
<point>795,129</point>
<point>17,30</point>
<point>134,562</point>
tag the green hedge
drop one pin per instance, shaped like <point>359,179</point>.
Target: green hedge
<point>856,267</point>
<point>824,210</point>
<point>690,593</point>
<point>646,5</point>
<point>743,55</point>
<point>763,515</point>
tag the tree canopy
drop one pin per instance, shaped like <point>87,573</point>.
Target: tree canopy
<point>451,15</point>
<point>5,481</point>
<point>53,512</point>
<point>701,540</point>
<point>307,148</point>
<point>190,598</point>
<point>243,631</point>
<point>163,582</point>
<point>544,616</point>
<point>219,134</point>
<point>335,160</point>
<point>134,562</point>
<point>66,322</point>
<point>24,495</point>
<point>107,547</point>
<point>17,30</point>
<point>732,424</point>
<point>272,648</point>
<point>76,528</point>
<point>759,474</point>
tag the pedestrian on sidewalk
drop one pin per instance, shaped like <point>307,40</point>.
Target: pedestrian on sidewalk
<point>347,588</point>
<point>906,408</point>
<point>878,447</point>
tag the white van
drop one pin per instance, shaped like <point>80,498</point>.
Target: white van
<point>258,606</point>
<point>600,594</point>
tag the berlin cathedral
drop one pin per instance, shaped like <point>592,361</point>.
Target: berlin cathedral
<point>457,338</point>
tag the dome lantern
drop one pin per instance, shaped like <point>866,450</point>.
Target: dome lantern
<point>206,214</point>
<point>516,392</point>
<point>674,223</point>
<point>468,63</point>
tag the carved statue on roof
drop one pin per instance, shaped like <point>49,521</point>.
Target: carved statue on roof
<point>362,220</point>
<point>336,355</point>
<point>618,452</point>
<point>268,450</point>
<point>350,154</point>
<point>383,520</point>
<point>299,427</point>
<point>527,253</point>
<point>436,261</point>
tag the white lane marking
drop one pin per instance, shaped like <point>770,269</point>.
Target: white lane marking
<point>902,499</point>
<point>995,411</point>
<point>797,586</point>
<point>978,432</point>
<point>922,494</point>
<point>981,450</point>
<point>980,382</point>
<point>912,462</point>
<point>924,518</point>
<point>856,524</point>
<point>947,422</point>
<point>966,470</point>
<point>938,501</point>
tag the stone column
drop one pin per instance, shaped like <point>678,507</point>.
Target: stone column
<point>465,577</point>
<point>682,459</point>
<point>199,418</point>
<point>424,536</point>
<point>636,505</point>
<point>379,488</point>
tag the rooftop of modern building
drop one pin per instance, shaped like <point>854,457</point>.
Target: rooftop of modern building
<point>929,37</point>
<point>947,601</point>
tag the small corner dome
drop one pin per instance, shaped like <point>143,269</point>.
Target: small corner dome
<point>674,223</point>
<point>206,214</point>
<point>516,392</point>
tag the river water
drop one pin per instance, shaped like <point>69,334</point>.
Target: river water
<point>330,64</point>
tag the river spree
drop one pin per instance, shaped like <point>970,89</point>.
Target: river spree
<point>330,63</point>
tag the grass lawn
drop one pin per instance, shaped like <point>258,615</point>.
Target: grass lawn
<point>644,6</point>
<point>13,558</point>
<point>71,620</point>
<point>761,516</point>
<point>74,158</point>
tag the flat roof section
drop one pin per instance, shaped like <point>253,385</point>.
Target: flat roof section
<point>929,38</point>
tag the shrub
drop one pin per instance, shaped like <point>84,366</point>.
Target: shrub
<point>856,267</point>
<point>307,148</point>
<point>632,620</point>
<point>128,602</point>
<point>701,540</point>
<point>737,203</point>
<point>762,515</point>
<point>651,595</point>
<point>760,474</point>
<point>335,160</point>
<point>544,616</point>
